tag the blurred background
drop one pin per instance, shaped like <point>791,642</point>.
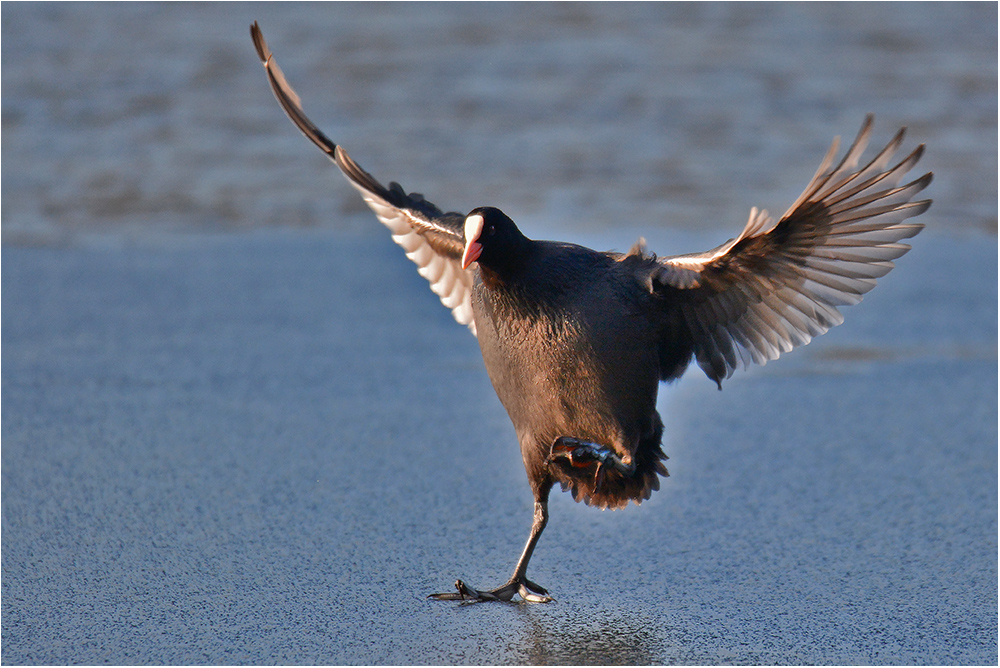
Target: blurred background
<point>136,117</point>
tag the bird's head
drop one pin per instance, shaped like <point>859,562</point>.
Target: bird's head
<point>492,239</point>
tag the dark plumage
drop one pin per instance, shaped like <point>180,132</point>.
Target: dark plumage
<point>571,339</point>
<point>576,341</point>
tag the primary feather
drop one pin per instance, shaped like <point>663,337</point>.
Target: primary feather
<point>432,239</point>
<point>776,286</point>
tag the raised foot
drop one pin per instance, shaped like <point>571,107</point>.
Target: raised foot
<point>579,453</point>
<point>528,590</point>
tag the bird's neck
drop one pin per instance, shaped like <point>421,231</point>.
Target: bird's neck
<point>509,269</point>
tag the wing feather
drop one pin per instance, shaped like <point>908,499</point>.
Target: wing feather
<point>432,239</point>
<point>776,286</point>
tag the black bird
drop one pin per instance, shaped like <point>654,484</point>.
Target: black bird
<point>576,341</point>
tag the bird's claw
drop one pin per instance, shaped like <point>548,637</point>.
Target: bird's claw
<point>528,590</point>
<point>464,593</point>
<point>541,596</point>
<point>580,453</point>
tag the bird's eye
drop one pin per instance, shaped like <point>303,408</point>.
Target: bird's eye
<point>490,231</point>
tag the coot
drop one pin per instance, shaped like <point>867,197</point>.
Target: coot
<point>577,341</point>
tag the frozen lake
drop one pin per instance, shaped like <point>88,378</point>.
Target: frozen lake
<point>238,428</point>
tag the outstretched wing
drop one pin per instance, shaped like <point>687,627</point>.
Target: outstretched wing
<point>434,240</point>
<point>776,286</point>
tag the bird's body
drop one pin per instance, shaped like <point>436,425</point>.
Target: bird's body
<point>576,341</point>
<point>569,338</point>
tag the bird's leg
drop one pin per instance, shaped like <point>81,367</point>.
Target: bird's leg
<point>518,583</point>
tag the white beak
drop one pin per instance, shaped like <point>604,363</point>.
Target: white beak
<point>473,228</point>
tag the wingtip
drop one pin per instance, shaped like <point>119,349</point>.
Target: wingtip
<point>259,43</point>
<point>868,122</point>
<point>286,95</point>
<point>865,132</point>
<point>920,206</point>
<point>897,140</point>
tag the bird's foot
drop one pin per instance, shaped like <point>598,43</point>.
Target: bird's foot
<point>528,590</point>
<point>579,453</point>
